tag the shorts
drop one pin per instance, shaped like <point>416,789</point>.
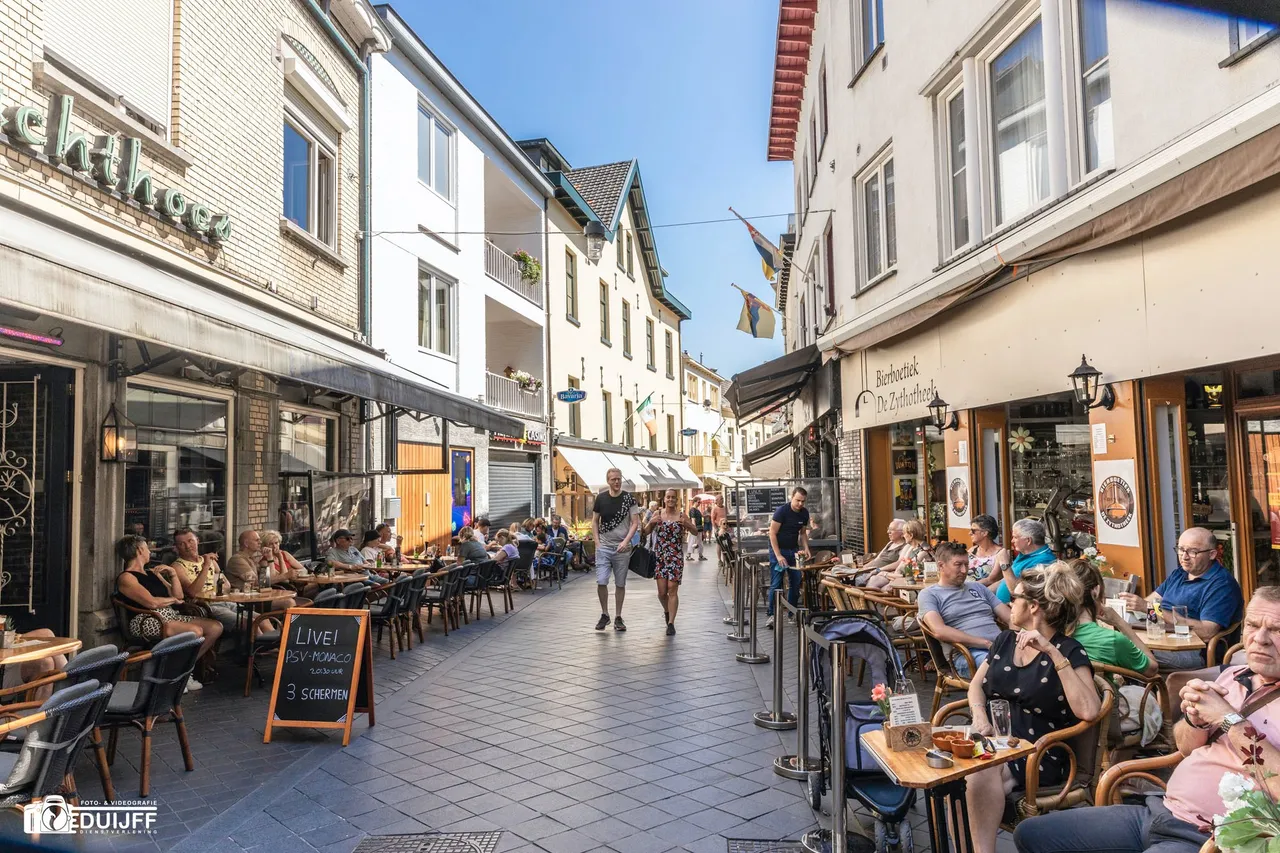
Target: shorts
<point>144,626</point>
<point>609,560</point>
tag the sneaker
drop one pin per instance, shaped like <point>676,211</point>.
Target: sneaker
<point>619,625</point>
<point>702,559</point>
<point>603,623</point>
<point>671,629</point>
<point>192,684</point>
<point>768,623</point>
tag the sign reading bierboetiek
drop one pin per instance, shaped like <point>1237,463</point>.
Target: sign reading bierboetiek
<point>324,673</point>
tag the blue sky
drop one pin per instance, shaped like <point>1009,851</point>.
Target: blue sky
<point>683,86</point>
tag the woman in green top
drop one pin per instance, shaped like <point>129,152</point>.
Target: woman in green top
<point>1119,647</point>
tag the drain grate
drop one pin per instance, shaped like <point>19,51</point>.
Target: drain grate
<point>752,845</point>
<point>434,842</point>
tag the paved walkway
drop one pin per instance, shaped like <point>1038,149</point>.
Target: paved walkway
<point>565,738</point>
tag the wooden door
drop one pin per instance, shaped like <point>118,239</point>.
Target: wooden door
<point>423,523</point>
<point>1168,465</point>
<point>1122,441</point>
<point>990,469</point>
<point>879,488</point>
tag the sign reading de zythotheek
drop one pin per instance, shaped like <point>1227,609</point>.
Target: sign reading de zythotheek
<point>111,161</point>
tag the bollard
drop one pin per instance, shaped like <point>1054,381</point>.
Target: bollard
<point>754,655</point>
<point>799,766</point>
<point>777,719</point>
<point>739,633</point>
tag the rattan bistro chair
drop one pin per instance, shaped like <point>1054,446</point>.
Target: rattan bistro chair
<point>944,658</point>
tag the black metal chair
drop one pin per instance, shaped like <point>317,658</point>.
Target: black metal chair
<point>440,594</point>
<point>485,571</point>
<point>501,581</point>
<point>551,565</point>
<point>413,604</point>
<point>154,697</point>
<point>524,566</point>
<point>468,577</point>
<point>327,598</point>
<point>54,736</point>
<point>354,596</point>
<point>387,603</point>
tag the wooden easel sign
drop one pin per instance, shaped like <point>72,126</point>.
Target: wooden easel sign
<point>324,673</point>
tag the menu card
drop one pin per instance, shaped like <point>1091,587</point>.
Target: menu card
<point>904,710</point>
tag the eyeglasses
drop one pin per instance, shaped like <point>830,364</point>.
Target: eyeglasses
<point>1189,552</point>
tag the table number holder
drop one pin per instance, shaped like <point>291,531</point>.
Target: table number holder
<point>916,733</point>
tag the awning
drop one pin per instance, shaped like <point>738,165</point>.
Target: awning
<point>684,474</point>
<point>640,472</point>
<point>768,450</point>
<point>772,384</point>
<point>635,476</point>
<point>591,466</point>
<point>79,278</point>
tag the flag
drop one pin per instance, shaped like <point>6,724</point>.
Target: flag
<point>757,318</point>
<point>770,255</point>
<point>647,416</point>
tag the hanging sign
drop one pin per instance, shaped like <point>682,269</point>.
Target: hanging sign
<point>688,431</point>
<point>959,507</point>
<point>1115,502</point>
<point>764,500</point>
<point>572,395</point>
<point>324,673</point>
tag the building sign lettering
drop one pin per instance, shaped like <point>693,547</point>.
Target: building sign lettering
<point>112,162</point>
<point>891,400</point>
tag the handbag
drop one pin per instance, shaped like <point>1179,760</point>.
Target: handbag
<point>643,562</point>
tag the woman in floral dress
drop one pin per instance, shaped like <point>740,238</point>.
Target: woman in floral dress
<point>669,526</point>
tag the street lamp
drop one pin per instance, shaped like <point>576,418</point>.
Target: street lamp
<point>595,234</point>
<point>1085,382</point>
<point>119,439</point>
<point>942,417</point>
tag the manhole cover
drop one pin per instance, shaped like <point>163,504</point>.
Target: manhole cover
<point>435,842</point>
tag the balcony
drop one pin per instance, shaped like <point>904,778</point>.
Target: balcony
<point>704,465</point>
<point>503,393</point>
<point>505,270</point>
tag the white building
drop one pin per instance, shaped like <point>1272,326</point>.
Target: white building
<point>454,200</point>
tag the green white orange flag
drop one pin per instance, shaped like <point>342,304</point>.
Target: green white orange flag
<point>647,416</point>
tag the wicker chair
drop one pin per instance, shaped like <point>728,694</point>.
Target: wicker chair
<point>1120,743</point>
<point>944,663</point>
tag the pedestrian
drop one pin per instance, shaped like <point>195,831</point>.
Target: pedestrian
<point>615,518</point>
<point>669,527</point>
<point>695,515</point>
<point>788,536</point>
<point>719,515</point>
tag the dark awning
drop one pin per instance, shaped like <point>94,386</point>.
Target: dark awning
<point>772,384</point>
<point>768,450</point>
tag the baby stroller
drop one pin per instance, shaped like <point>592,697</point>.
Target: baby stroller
<point>866,639</point>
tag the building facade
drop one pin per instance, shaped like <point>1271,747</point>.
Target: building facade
<point>447,224</point>
<point>615,332</point>
<point>1064,177</point>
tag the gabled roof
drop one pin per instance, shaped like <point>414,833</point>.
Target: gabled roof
<point>790,67</point>
<point>603,187</point>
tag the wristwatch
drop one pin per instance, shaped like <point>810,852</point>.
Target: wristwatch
<point>1230,719</point>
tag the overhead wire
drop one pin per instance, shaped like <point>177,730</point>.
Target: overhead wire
<point>690,223</point>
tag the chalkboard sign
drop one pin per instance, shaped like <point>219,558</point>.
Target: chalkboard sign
<point>324,672</point>
<point>763,500</point>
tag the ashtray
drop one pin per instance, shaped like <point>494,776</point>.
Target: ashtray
<point>938,760</point>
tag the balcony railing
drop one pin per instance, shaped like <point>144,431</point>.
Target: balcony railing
<point>503,393</point>
<point>505,270</point>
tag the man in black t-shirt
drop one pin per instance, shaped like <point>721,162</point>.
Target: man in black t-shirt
<point>695,515</point>
<point>615,518</point>
<point>788,535</point>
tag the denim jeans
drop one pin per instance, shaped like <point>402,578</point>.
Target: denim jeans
<point>962,665</point>
<point>778,571</point>
<point>1174,661</point>
<point>1109,829</point>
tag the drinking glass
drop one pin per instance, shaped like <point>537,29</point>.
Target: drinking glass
<point>1155,629</point>
<point>1001,720</point>
<point>1181,628</point>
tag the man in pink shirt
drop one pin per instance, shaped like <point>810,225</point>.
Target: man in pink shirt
<point>1212,735</point>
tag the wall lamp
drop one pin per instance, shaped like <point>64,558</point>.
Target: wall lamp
<point>1086,384</point>
<point>595,234</point>
<point>943,417</point>
<point>119,439</point>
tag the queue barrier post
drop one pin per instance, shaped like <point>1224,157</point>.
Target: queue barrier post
<point>739,634</point>
<point>753,655</point>
<point>777,719</point>
<point>800,765</point>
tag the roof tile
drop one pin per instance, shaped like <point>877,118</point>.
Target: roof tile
<point>601,186</point>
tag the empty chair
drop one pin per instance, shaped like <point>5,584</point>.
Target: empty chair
<point>328,598</point>
<point>354,596</point>
<point>485,571</point>
<point>54,736</point>
<point>155,697</point>
<point>439,594</point>
<point>501,581</point>
<point>413,604</point>
<point>524,566</point>
<point>385,611</point>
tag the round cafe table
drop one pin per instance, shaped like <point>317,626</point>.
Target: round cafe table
<point>24,651</point>
<point>335,579</point>
<point>912,586</point>
<point>247,603</point>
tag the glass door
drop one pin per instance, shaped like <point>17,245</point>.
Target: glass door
<point>1261,445</point>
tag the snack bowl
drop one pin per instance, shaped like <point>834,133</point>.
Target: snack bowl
<point>938,760</point>
<point>942,740</point>
<point>962,748</point>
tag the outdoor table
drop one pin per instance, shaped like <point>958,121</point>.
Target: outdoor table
<point>809,577</point>
<point>913,586</point>
<point>1171,643</point>
<point>337,578</point>
<point>24,651</point>
<point>247,602</point>
<point>449,560</point>
<point>910,769</point>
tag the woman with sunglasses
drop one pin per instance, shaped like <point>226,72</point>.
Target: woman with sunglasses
<point>1045,677</point>
<point>988,559</point>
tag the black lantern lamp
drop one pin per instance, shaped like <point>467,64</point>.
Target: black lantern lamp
<point>1086,383</point>
<point>119,437</point>
<point>595,234</point>
<point>943,417</point>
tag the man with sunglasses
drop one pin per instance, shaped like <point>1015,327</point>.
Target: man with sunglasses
<point>1202,585</point>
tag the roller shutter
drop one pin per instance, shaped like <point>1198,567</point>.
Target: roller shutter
<point>511,495</point>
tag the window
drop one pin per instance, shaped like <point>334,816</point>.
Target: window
<point>671,433</point>
<point>808,187</point>
<point>1021,145</point>
<point>648,342</point>
<point>653,438</point>
<point>604,311</point>
<point>621,251</point>
<point>571,285</point>
<point>626,328</point>
<point>631,258</point>
<point>872,27</point>
<point>802,323</point>
<point>813,146</point>
<point>607,401</point>
<point>823,122</point>
<point>310,200</point>
<point>671,371</point>
<point>307,442</point>
<point>957,169</point>
<point>829,268</point>
<point>1244,32</point>
<point>575,412</point>
<point>435,152</point>
<point>435,312</point>
<point>628,423</point>
<point>731,450</point>
<point>1095,85</point>
<point>880,232</point>
<point>715,398</point>
<point>691,386</point>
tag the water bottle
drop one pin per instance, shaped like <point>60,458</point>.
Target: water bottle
<point>264,577</point>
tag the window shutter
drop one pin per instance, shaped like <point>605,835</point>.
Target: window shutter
<point>124,46</point>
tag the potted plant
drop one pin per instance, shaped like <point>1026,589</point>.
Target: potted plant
<point>530,267</point>
<point>8,636</point>
<point>527,382</point>
<point>581,530</point>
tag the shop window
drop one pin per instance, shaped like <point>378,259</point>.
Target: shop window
<point>307,442</point>
<point>1050,467</point>
<point>180,478</point>
<point>1207,475</point>
<point>1262,473</point>
<point>918,462</point>
<point>1018,122</point>
<point>1258,383</point>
